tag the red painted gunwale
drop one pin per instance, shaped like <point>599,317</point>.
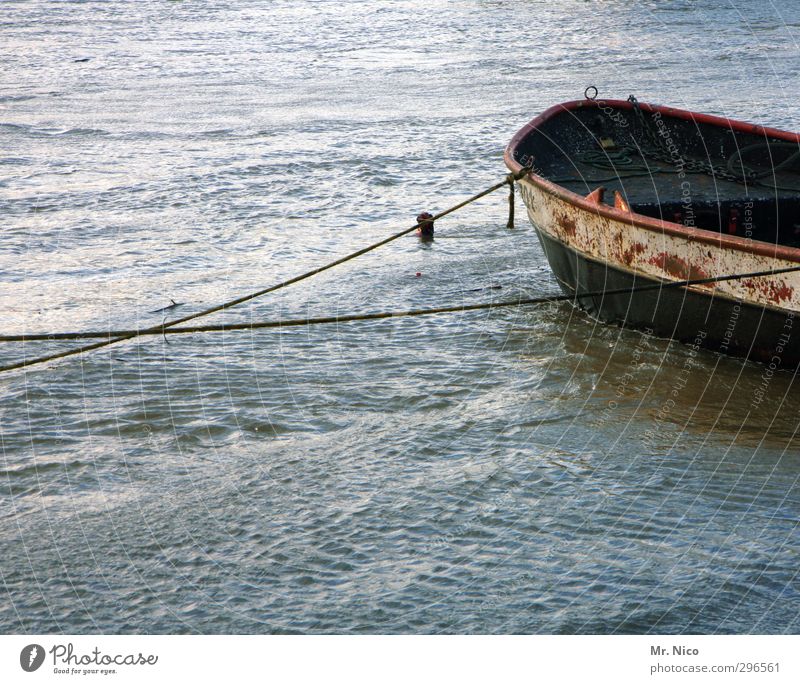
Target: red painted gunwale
<point>695,234</point>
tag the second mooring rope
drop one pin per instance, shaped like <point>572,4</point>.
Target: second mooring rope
<point>288,323</point>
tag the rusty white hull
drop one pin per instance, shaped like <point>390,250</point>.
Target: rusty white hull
<point>593,246</point>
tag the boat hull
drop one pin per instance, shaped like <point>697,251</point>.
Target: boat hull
<point>651,236</point>
<point>699,319</point>
<point>588,252</point>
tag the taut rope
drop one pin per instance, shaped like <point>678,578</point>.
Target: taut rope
<point>289,323</point>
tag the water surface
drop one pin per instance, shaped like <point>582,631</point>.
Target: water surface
<point>490,472</point>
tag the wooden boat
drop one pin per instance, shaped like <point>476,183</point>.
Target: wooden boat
<point>624,194</point>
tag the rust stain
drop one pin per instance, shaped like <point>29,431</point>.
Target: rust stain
<point>677,267</point>
<point>772,291</point>
<point>629,255</point>
<point>781,294</point>
<point>567,224</point>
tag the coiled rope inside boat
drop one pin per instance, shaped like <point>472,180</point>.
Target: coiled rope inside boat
<point>655,148</point>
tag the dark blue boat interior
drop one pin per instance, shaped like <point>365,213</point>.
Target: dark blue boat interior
<point>685,171</point>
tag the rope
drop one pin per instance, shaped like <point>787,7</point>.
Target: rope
<point>510,180</point>
<point>757,177</point>
<point>159,329</point>
<point>257,325</point>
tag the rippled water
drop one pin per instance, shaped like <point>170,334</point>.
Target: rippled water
<point>500,471</point>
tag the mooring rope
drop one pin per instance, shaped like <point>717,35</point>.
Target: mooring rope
<point>257,325</point>
<point>510,180</point>
<point>161,329</point>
